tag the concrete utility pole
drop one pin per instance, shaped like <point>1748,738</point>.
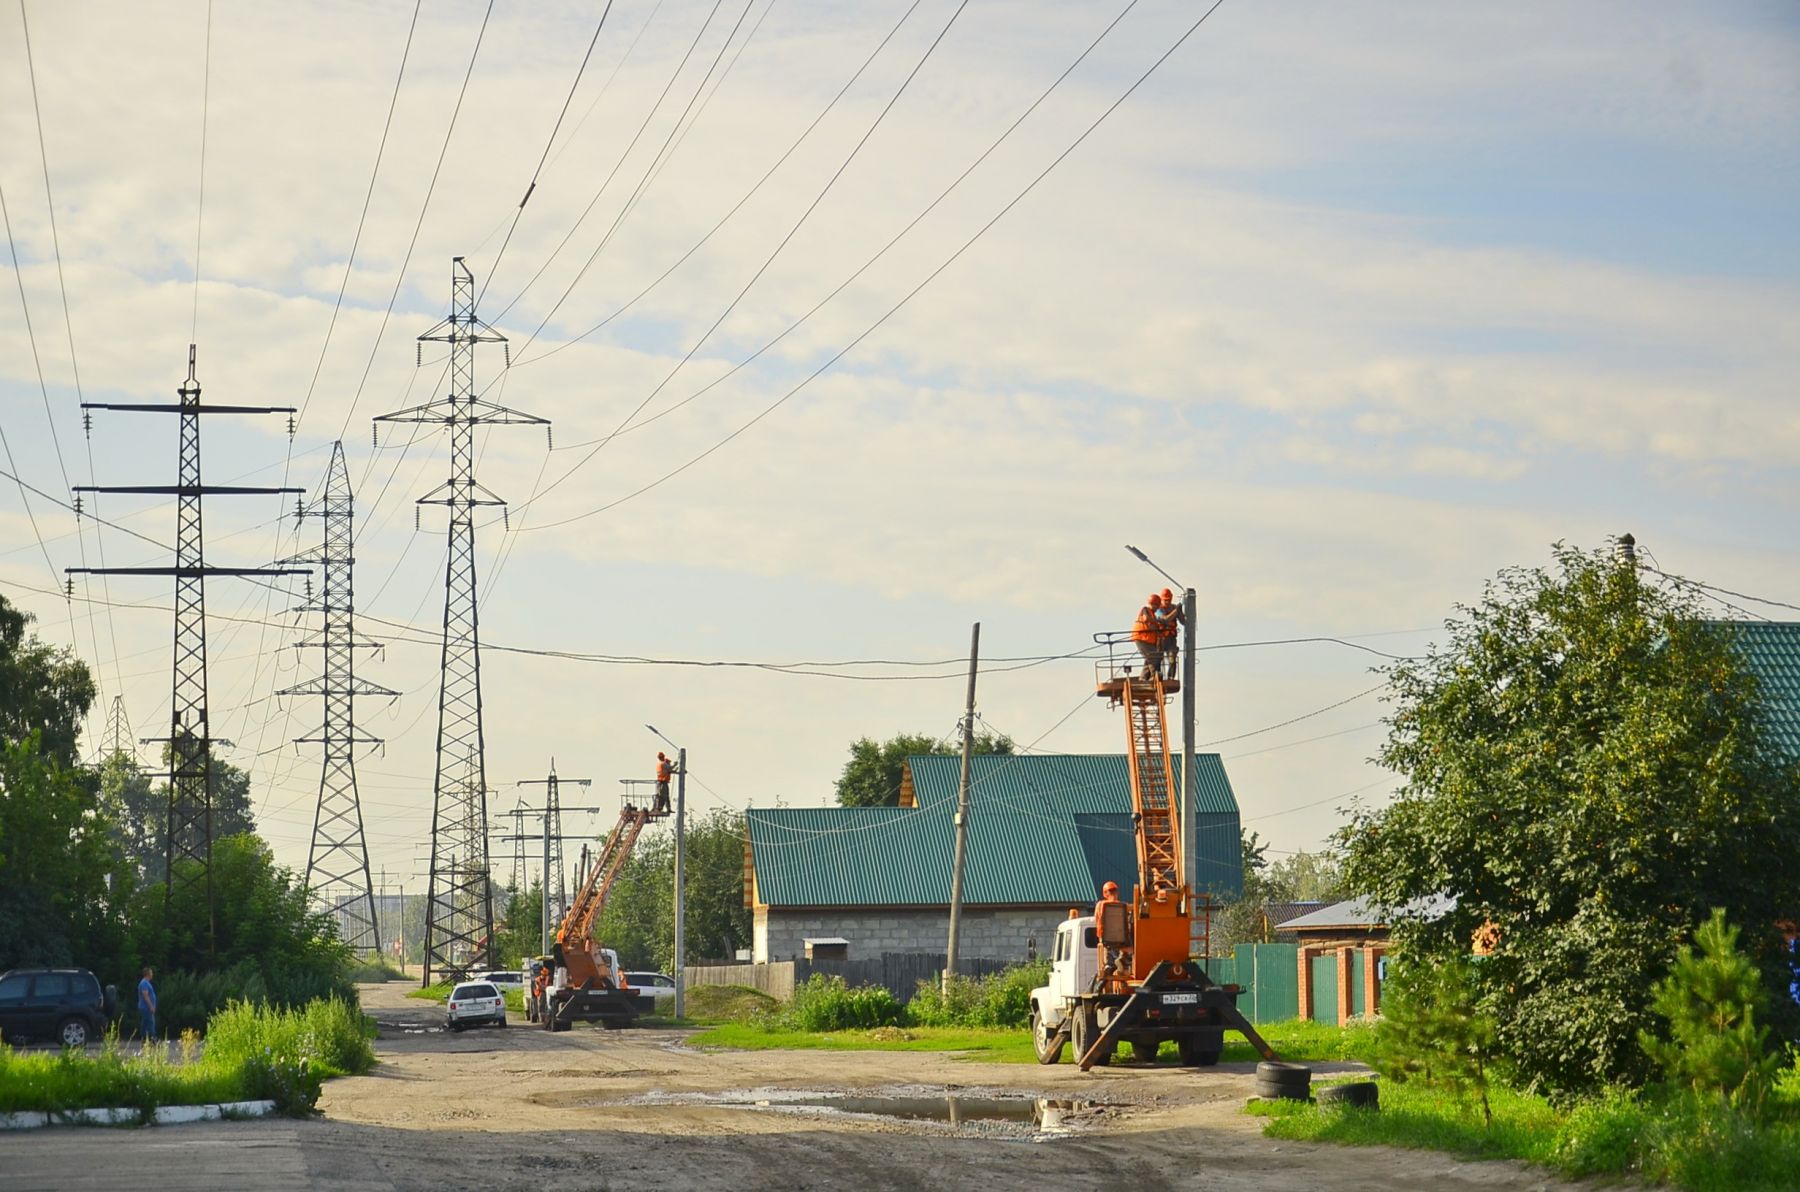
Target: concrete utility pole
<point>680,868</point>
<point>962,811</point>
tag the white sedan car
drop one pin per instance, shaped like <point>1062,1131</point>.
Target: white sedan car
<point>473,1003</point>
<point>660,987</point>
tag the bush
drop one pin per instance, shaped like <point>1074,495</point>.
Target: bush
<point>1000,1000</point>
<point>1434,1030</point>
<point>826,1003</point>
<point>373,970</point>
<point>330,1033</point>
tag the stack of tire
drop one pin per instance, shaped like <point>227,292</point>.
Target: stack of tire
<point>1276,1081</point>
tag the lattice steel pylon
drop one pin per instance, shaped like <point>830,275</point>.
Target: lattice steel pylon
<point>459,909</point>
<point>190,736</point>
<point>337,865</point>
<point>556,890</point>
<point>117,738</point>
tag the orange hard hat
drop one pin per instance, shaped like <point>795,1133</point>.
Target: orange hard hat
<point>660,756</point>
<point>1110,888</point>
<point>1168,595</point>
<point>1155,600</point>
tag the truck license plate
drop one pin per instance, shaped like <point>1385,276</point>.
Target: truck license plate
<point>1180,999</point>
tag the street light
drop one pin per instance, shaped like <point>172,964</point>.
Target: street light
<point>1192,863</point>
<point>680,866</point>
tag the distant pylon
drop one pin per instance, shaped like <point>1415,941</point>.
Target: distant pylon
<point>190,742</point>
<point>556,892</point>
<point>337,866</point>
<point>117,738</point>
<point>459,906</point>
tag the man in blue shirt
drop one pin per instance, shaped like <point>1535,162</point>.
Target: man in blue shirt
<point>147,1005</point>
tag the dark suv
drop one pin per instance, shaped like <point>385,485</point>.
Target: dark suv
<point>63,1005</point>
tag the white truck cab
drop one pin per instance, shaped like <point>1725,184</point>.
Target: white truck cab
<point>1073,966</point>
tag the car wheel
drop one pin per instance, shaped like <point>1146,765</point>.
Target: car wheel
<point>501,1021</point>
<point>1193,1055</point>
<point>73,1033</point>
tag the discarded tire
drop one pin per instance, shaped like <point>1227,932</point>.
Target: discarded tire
<point>1282,1092</point>
<point>1278,1072</point>
<point>1362,1094</point>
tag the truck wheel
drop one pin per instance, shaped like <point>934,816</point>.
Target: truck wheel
<point>1048,1039</point>
<point>560,1026</point>
<point>1083,1032</point>
<point>1193,1055</point>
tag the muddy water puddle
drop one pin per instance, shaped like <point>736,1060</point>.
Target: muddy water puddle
<point>985,1112</point>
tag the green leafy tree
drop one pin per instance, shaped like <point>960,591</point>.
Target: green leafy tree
<point>138,809</point>
<point>1301,877</point>
<point>60,887</point>
<point>43,689</point>
<point>1309,877</point>
<point>520,931</point>
<point>1586,772</point>
<point>871,777</point>
<point>1434,1031</point>
<point>1710,1001</point>
<point>639,921</point>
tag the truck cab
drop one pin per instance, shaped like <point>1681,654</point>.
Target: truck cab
<point>1073,966</point>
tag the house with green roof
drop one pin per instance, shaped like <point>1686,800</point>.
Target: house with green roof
<point>1772,650</point>
<point>1045,832</point>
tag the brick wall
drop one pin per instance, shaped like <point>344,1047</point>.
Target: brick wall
<point>1009,934</point>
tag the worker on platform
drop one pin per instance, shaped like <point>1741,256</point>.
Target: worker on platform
<point>1146,631</point>
<point>665,770</point>
<point>1111,960</point>
<point>1169,620</point>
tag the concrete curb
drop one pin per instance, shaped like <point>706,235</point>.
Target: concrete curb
<point>167,1115</point>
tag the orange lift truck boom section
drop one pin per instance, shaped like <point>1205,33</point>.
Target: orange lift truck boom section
<point>1125,972</point>
<point>586,983</point>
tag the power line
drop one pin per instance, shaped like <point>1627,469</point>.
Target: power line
<point>520,210</point>
<point>891,311</point>
<point>1294,720</point>
<point>200,206</point>
<point>31,337</point>
<point>37,112</point>
<point>770,259</point>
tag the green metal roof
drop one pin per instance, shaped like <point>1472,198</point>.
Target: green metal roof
<point>1044,828</point>
<point>1772,648</point>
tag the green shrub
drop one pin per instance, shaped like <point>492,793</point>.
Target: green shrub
<point>1000,1000</point>
<point>372,970</point>
<point>330,1033</point>
<point>826,1003</point>
<point>1435,1031</point>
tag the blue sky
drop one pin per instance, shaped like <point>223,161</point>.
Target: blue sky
<point>1345,309</point>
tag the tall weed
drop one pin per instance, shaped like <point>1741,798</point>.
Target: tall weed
<point>826,1003</point>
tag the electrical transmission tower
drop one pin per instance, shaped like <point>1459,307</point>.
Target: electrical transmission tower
<point>337,866</point>
<point>189,826</point>
<point>555,889</point>
<point>117,738</point>
<point>459,911</point>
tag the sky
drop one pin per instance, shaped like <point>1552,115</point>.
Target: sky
<point>860,323</point>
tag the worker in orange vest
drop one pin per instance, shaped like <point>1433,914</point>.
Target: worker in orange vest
<point>1110,960</point>
<point>1146,631</point>
<point>1169,620</point>
<point>665,770</point>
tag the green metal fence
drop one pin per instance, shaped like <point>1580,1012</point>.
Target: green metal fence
<point>1323,971</point>
<point>1359,967</point>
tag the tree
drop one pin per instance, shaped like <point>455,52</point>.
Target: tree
<point>871,777</point>
<point>1434,1030</point>
<point>1710,1000</point>
<point>139,810</point>
<point>1586,772</point>
<point>520,932</point>
<point>43,689</point>
<point>1300,877</point>
<point>59,886</point>
<point>639,921</point>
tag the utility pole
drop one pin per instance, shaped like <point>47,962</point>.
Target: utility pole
<point>189,823</point>
<point>338,860</point>
<point>1189,834</point>
<point>962,811</point>
<point>459,915</point>
<point>553,859</point>
<point>519,837</point>
<point>680,869</point>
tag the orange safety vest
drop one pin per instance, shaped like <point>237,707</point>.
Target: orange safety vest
<point>664,771</point>
<point>1145,629</point>
<point>1170,625</point>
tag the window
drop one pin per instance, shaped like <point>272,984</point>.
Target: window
<point>13,987</point>
<point>50,987</point>
<point>481,991</point>
<point>1090,938</point>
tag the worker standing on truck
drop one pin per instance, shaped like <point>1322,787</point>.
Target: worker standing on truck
<point>1169,620</point>
<point>665,770</point>
<point>1109,958</point>
<point>1146,631</point>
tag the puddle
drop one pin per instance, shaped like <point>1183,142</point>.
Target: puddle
<point>985,1111</point>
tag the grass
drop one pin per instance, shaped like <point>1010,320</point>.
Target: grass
<point>726,1003</point>
<point>1307,1042</point>
<point>439,992</point>
<point>1683,1140</point>
<point>252,1052</point>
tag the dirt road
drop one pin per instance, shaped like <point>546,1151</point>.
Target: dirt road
<point>521,1108</point>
